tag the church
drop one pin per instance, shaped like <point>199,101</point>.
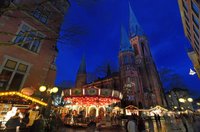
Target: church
<point>137,79</point>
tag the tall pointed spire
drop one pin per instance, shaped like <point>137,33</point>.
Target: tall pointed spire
<point>81,78</point>
<point>134,27</point>
<point>125,44</point>
<point>82,67</point>
<point>108,70</point>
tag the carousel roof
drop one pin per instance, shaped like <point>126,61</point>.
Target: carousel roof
<point>91,96</point>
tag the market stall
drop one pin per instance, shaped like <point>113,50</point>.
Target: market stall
<point>129,110</point>
<point>158,110</point>
<point>12,102</point>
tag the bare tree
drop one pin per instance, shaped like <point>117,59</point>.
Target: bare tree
<point>171,79</point>
<point>72,32</point>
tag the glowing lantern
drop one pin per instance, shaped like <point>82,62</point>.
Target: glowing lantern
<point>27,91</point>
<point>42,88</point>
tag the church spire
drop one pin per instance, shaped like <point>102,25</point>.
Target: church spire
<point>125,44</point>
<point>81,78</point>
<point>134,27</point>
<point>82,67</point>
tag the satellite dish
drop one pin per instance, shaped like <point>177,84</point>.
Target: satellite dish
<point>192,72</point>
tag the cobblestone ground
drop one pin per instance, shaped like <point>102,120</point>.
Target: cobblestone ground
<point>151,126</point>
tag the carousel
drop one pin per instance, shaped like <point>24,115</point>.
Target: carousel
<point>91,102</point>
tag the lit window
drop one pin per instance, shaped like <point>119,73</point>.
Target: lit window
<point>11,64</point>
<point>14,73</point>
<point>195,8</point>
<point>42,14</point>
<point>28,38</point>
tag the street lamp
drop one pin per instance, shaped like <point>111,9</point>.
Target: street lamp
<point>54,89</point>
<point>48,93</point>
<point>42,88</point>
<point>51,90</point>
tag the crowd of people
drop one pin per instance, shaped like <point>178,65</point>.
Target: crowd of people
<point>38,123</point>
<point>32,122</point>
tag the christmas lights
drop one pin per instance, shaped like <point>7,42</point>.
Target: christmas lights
<point>23,96</point>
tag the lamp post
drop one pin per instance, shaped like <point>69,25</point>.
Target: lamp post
<point>48,91</point>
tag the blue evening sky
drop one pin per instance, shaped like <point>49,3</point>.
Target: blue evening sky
<point>92,28</point>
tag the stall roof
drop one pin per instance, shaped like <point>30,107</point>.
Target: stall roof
<point>14,93</point>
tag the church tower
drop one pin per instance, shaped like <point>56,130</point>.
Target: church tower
<point>152,88</point>
<point>128,72</point>
<point>81,78</point>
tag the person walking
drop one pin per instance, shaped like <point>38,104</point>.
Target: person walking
<point>155,117</point>
<point>24,122</point>
<point>131,126</point>
<point>12,123</point>
<point>141,124</point>
<point>38,125</point>
<point>158,119</point>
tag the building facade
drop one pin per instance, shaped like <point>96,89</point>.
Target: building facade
<point>190,11</point>
<point>28,33</point>
<point>173,97</point>
<point>137,78</point>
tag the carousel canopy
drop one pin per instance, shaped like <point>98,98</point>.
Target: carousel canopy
<point>91,96</point>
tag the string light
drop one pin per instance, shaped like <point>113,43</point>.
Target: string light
<point>23,96</point>
<point>88,97</point>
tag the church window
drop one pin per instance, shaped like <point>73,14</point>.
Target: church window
<point>136,49</point>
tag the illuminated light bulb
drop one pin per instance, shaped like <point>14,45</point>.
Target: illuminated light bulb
<point>190,100</point>
<point>54,89</point>
<point>181,100</point>
<point>37,107</point>
<point>42,88</point>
